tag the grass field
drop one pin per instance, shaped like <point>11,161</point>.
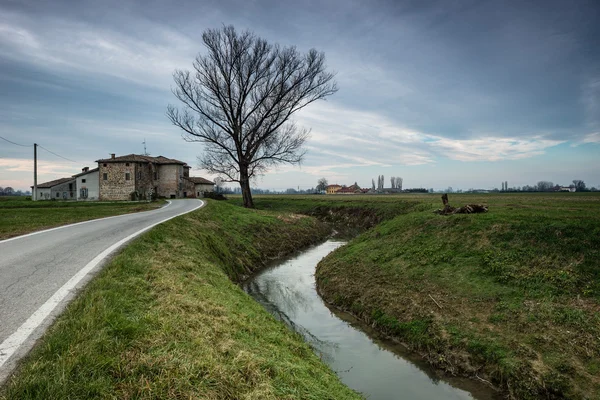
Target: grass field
<point>165,319</point>
<point>511,296</point>
<point>19,215</point>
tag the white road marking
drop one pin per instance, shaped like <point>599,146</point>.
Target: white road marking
<point>80,223</point>
<point>12,343</point>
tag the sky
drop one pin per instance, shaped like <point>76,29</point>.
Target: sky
<point>465,94</point>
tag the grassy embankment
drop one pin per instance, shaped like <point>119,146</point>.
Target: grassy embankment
<point>165,319</point>
<point>511,296</point>
<point>350,215</point>
<point>19,216</point>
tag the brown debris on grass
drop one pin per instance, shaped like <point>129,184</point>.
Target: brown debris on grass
<point>467,209</point>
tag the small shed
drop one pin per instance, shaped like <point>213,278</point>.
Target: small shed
<point>201,185</point>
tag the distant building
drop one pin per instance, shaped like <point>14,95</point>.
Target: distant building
<point>565,189</point>
<point>353,189</point>
<point>332,189</point>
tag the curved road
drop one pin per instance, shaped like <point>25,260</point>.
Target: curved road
<point>40,272</point>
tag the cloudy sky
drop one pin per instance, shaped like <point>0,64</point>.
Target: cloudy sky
<point>442,93</point>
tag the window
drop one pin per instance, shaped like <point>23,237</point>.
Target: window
<point>83,181</point>
<point>127,176</point>
<point>57,195</point>
<point>83,193</point>
<point>105,176</point>
<point>155,175</point>
<point>104,165</point>
<point>127,164</point>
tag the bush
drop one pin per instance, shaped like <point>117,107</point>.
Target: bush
<point>214,196</point>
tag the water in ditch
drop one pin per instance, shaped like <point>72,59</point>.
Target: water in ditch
<point>371,365</point>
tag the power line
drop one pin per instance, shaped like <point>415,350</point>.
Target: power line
<point>57,155</point>
<point>17,144</point>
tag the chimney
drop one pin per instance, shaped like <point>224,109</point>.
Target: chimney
<point>85,169</point>
<point>112,155</point>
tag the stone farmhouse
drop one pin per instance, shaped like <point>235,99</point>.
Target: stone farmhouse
<point>129,177</point>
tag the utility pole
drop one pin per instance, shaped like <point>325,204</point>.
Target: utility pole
<point>34,195</point>
<point>144,143</point>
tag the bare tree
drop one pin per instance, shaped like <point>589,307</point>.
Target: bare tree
<point>373,184</point>
<point>544,186</point>
<point>399,181</point>
<point>393,182</point>
<point>579,185</point>
<point>322,185</point>
<point>239,100</point>
<point>219,184</point>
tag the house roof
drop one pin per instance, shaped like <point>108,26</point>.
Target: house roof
<point>350,189</point>
<point>197,179</point>
<point>86,172</point>
<point>141,158</point>
<point>332,186</point>
<point>53,183</point>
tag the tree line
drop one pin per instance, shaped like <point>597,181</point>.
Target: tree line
<point>9,191</point>
<point>549,186</point>
<point>395,183</point>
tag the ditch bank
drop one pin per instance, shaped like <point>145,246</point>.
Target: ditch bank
<point>165,318</point>
<point>509,298</point>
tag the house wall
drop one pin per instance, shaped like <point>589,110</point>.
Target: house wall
<point>189,188</point>
<point>170,182</point>
<point>202,187</point>
<point>64,191</point>
<point>116,187</point>
<point>333,189</point>
<point>43,194</point>
<point>144,179</point>
<point>92,184</point>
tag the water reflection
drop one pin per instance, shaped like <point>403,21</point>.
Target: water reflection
<point>369,365</point>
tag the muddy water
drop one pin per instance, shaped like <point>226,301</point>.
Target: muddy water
<point>375,367</point>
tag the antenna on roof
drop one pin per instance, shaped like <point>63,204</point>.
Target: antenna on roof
<point>145,151</point>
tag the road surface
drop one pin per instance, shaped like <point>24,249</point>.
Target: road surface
<point>40,272</point>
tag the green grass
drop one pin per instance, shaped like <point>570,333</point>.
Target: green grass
<point>165,319</point>
<point>518,287</point>
<point>19,216</point>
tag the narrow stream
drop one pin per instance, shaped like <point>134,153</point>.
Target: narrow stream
<point>375,367</point>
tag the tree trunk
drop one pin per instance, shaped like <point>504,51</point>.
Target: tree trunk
<point>245,185</point>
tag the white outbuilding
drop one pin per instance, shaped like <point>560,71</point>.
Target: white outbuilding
<point>88,184</point>
<point>59,189</point>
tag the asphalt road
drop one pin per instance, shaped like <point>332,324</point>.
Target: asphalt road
<point>40,272</point>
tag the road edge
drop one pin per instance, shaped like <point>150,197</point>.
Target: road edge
<point>13,343</point>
